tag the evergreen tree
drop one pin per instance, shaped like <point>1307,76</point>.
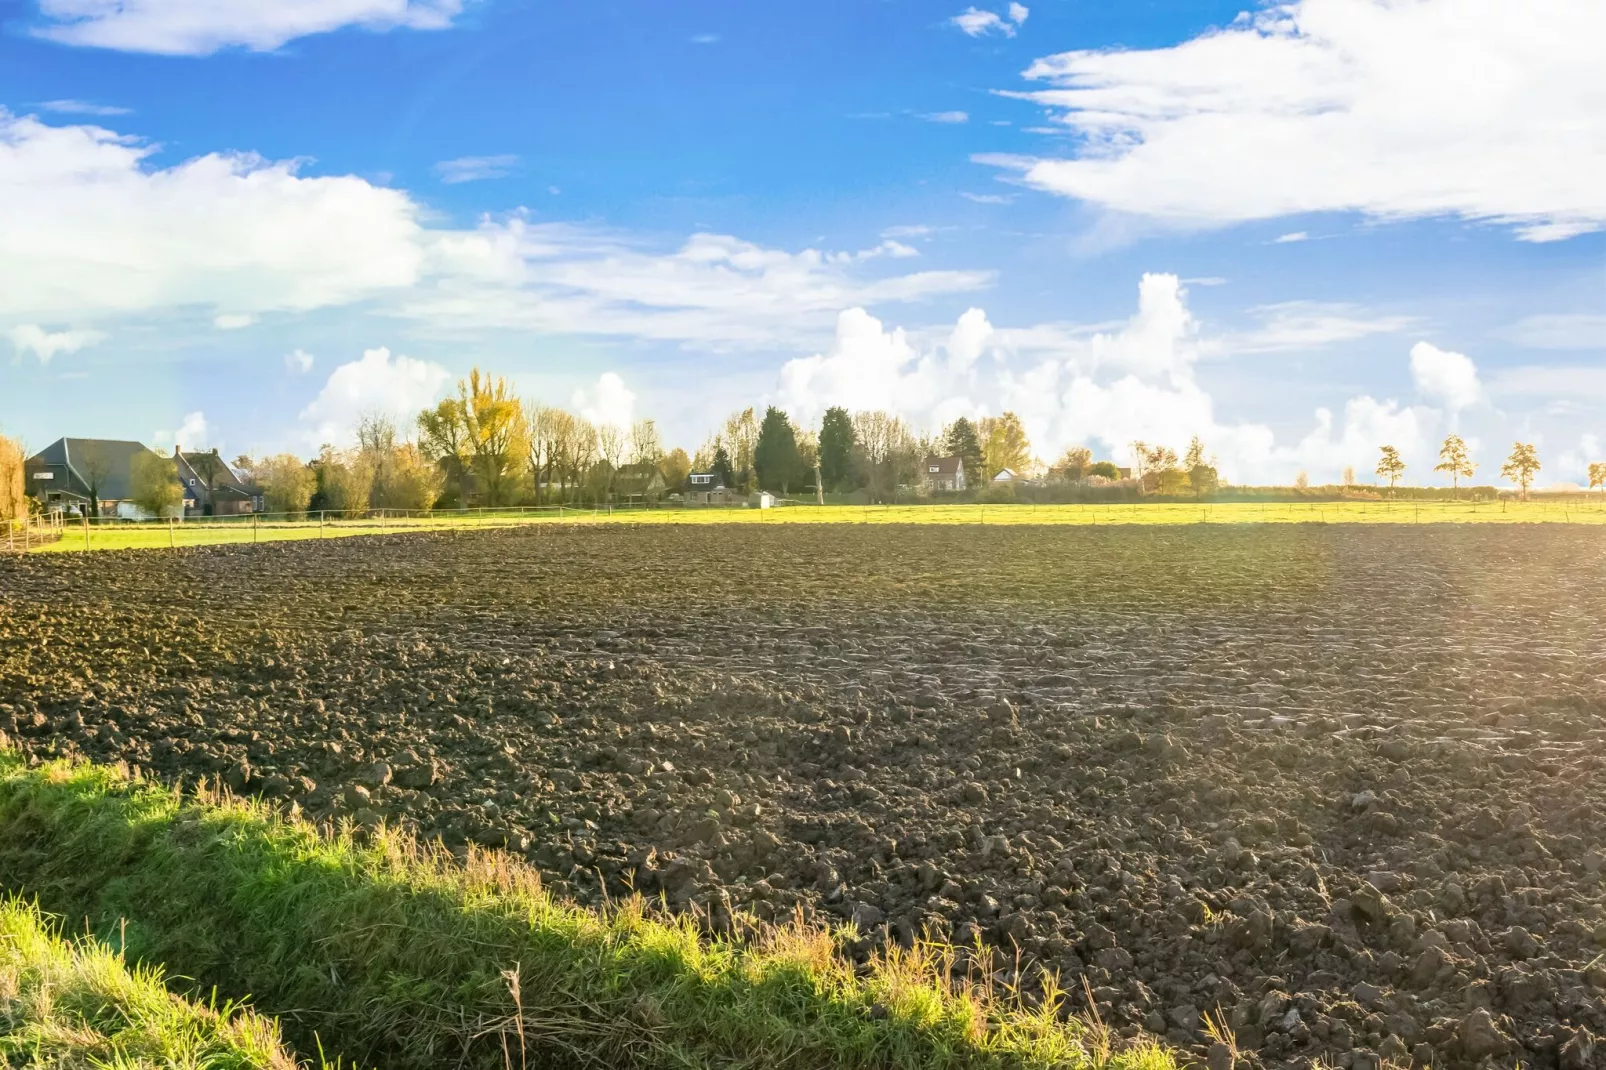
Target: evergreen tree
<point>836,447</point>
<point>960,440</point>
<point>775,458</point>
<point>722,467</point>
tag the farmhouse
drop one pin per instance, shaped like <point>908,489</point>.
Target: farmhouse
<point>212,488</point>
<point>91,476</point>
<point>708,488</point>
<point>945,473</point>
<point>640,480</point>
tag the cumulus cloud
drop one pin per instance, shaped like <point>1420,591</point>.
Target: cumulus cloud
<point>1445,377</point>
<point>32,338</point>
<point>233,321</point>
<point>193,434</point>
<point>201,27</point>
<point>475,168</point>
<point>1105,387</point>
<point>978,23</point>
<point>1475,109</point>
<point>299,360</point>
<point>609,403</point>
<point>396,386</point>
<point>86,227</point>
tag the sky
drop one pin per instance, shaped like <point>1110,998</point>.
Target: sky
<point>1299,231</point>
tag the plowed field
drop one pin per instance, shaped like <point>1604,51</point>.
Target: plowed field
<point>1343,784</point>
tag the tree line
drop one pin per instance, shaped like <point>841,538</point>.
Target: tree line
<point>1521,467</point>
<point>483,445</point>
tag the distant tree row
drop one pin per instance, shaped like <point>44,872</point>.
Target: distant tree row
<point>1455,461</point>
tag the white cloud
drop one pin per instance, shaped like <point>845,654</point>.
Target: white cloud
<point>986,198</point>
<point>952,117</point>
<point>475,168</point>
<point>1575,461</point>
<point>378,383</point>
<point>193,434</point>
<point>1477,109</point>
<point>200,27</point>
<point>715,289</point>
<point>978,23</point>
<point>1105,387</point>
<point>1303,325</point>
<point>1565,381</point>
<point>705,39</point>
<point>86,227</point>
<point>609,403</point>
<point>1445,377</point>
<point>1290,237</point>
<point>32,338</point>
<point>233,321</point>
<point>299,360</point>
<point>90,231</point>
<point>83,107</point>
<point>1573,330</point>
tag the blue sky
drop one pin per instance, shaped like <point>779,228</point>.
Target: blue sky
<point>1299,231</point>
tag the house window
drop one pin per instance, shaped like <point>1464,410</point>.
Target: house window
<point>934,468</point>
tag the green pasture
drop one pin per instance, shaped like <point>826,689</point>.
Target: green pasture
<point>124,535</point>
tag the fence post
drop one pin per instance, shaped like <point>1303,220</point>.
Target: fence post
<point>320,523</point>
<point>86,531</point>
<point>172,543</point>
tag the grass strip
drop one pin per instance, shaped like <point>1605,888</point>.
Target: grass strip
<point>393,955</point>
<point>68,1004</point>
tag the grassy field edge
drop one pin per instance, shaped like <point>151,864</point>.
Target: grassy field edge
<point>388,954</point>
<point>71,1003</point>
<point>213,532</point>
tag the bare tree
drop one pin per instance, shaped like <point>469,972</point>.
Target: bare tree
<point>579,449</point>
<point>544,444</point>
<point>612,440</point>
<point>94,466</point>
<point>741,440</point>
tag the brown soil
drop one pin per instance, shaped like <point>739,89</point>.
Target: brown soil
<point>1342,784</point>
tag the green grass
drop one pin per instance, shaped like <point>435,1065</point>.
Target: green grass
<point>126,536</point>
<point>70,1004</point>
<point>398,957</point>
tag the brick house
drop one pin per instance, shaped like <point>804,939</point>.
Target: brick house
<point>945,473</point>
